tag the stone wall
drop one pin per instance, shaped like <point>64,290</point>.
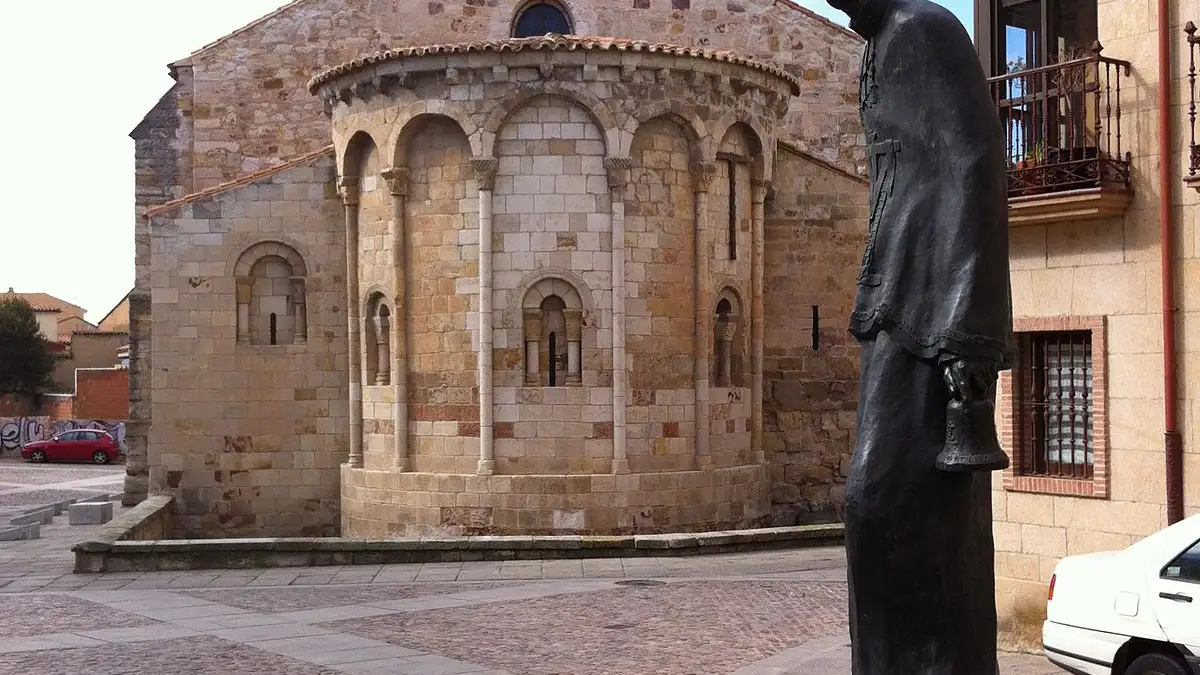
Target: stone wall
<point>382,504</point>
<point>249,437</point>
<point>443,229</point>
<point>660,281</point>
<point>816,227</point>
<point>244,79</point>
<point>551,224</point>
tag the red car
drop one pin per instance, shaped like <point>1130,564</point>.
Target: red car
<point>78,445</point>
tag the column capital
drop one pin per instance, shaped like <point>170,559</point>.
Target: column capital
<point>704,172</point>
<point>397,180</point>
<point>761,190</point>
<point>618,170</point>
<point>348,190</point>
<point>485,172</point>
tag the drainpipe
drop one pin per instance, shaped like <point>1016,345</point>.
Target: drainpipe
<point>1173,440</point>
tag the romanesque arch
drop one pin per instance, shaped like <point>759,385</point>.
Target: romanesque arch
<point>574,93</point>
<point>728,331</point>
<point>552,325</point>
<point>271,305</point>
<point>377,346</point>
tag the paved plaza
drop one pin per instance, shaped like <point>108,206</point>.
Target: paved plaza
<point>673,616</point>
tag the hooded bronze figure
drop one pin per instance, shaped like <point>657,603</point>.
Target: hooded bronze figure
<point>934,318</point>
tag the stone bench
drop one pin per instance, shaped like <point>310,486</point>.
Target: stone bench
<point>21,532</point>
<point>90,513</point>
<point>42,516</point>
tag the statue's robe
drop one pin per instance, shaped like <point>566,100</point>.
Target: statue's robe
<point>933,287</point>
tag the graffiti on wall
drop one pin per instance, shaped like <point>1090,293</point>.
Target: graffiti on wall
<point>17,431</point>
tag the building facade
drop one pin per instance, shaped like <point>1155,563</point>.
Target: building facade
<point>1099,415</point>
<point>593,284</point>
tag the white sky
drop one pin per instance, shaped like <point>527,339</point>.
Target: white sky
<point>79,76</point>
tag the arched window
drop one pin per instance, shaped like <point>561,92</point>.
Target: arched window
<point>727,357</point>
<point>541,18</point>
<point>553,328</point>
<point>270,296</point>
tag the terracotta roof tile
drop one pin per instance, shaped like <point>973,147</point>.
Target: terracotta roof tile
<point>549,43</point>
<point>247,179</point>
<point>43,302</point>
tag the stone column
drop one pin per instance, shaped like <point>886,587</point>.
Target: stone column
<point>485,175</point>
<point>397,180</point>
<point>726,331</point>
<point>245,290</point>
<point>532,325</point>
<point>574,336</point>
<point>348,186</point>
<point>299,309</point>
<point>759,191</point>
<point>704,172</point>
<point>383,359</point>
<point>618,175</point>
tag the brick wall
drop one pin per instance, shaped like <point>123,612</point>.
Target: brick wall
<point>102,394</point>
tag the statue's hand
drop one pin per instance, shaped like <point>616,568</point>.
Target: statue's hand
<point>969,379</point>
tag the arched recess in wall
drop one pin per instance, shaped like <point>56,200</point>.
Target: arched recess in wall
<point>271,302</point>
<point>377,346</point>
<point>552,326</point>
<point>541,17</point>
<point>441,236</point>
<point>728,367</point>
<point>740,161</point>
<point>660,212</point>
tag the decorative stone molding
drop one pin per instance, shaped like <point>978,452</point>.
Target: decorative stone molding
<point>397,180</point>
<point>704,172</point>
<point>348,190</point>
<point>727,328</point>
<point>618,170</point>
<point>485,172</point>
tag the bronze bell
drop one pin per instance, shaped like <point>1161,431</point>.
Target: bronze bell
<point>971,440</point>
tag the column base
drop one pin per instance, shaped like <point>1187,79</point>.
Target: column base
<point>355,462</point>
<point>703,462</point>
<point>403,464</point>
<point>620,466</point>
<point>486,467</point>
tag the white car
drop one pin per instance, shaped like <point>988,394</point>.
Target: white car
<point>1130,612</point>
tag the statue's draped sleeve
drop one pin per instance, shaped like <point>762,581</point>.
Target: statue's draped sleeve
<point>938,278</point>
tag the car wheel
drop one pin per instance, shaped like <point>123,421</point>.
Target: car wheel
<point>100,457</point>
<point>1157,664</point>
<point>38,456</point>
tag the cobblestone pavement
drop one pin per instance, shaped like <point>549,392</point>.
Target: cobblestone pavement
<point>769,613</point>
<point>23,484</point>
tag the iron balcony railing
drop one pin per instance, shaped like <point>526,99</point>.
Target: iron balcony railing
<point>1063,125</point>
<point>1193,49</point>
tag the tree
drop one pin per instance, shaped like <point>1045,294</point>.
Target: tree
<point>26,363</point>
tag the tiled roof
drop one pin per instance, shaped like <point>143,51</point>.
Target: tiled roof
<point>43,302</point>
<point>247,179</point>
<point>550,43</point>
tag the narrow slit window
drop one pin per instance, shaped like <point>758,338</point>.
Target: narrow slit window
<point>274,329</point>
<point>554,359</point>
<point>732,209</point>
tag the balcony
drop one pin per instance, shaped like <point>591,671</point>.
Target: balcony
<point>1193,176</point>
<point>1063,139</point>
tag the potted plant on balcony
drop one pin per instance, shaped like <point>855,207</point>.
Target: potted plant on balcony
<point>1028,171</point>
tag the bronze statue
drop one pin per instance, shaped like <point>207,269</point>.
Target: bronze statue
<point>934,319</point>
